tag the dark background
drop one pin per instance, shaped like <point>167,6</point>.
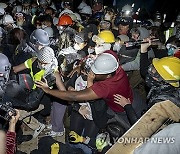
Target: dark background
<point>148,7</point>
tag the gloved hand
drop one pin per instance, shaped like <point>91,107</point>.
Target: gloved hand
<point>55,148</point>
<point>75,138</point>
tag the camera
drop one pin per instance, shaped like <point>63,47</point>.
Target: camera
<point>51,79</point>
<point>5,109</point>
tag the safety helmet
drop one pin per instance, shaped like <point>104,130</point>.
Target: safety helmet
<point>7,19</point>
<point>105,63</point>
<point>105,36</point>
<point>65,20</point>
<point>168,68</point>
<point>50,31</point>
<point>81,5</point>
<point>2,11</point>
<point>5,66</point>
<point>40,36</point>
<point>86,10</point>
<point>4,63</point>
<point>3,5</point>
<point>127,11</point>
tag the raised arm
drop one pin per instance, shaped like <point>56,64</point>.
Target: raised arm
<point>83,95</point>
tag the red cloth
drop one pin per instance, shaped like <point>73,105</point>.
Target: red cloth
<point>10,142</point>
<point>118,84</point>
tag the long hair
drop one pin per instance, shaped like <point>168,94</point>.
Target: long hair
<point>17,35</point>
<point>66,39</point>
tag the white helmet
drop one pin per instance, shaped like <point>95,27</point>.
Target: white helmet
<point>105,63</point>
<point>50,31</point>
<point>86,10</point>
<point>5,67</point>
<point>2,11</point>
<point>7,19</point>
<point>3,5</point>
<point>81,5</point>
<point>39,36</point>
<point>127,10</point>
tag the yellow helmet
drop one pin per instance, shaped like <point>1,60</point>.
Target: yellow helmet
<point>169,69</point>
<point>105,36</point>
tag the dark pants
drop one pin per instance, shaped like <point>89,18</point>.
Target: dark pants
<point>84,127</point>
<point>57,116</point>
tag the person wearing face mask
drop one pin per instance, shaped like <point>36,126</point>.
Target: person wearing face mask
<point>34,7</point>
<point>47,21</point>
<point>81,43</point>
<point>104,41</point>
<point>172,46</point>
<point>21,22</point>
<point>81,114</point>
<point>40,66</point>
<point>8,23</point>
<point>109,13</point>
<point>65,23</point>
<point>91,29</point>
<point>161,76</point>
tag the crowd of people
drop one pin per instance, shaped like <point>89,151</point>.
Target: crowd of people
<point>87,61</point>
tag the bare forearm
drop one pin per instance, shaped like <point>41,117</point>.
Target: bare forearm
<point>73,95</point>
<point>2,142</point>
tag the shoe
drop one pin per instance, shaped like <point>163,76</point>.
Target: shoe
<point>54,134</point>
<point>23,138</point>
<point>38,130</point>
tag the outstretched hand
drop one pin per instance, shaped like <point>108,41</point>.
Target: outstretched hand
<point>144,46</point>
<point>43,85</point>
<point>121,100</point>
<point>13,121</point>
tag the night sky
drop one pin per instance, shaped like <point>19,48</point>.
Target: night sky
<point>170,7</point>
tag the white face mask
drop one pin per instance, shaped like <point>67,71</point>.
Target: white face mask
<point>107,17</point>
<point>102,48</point>
<point>19,23</point>
<point>117,47</point>
<point>90,50</point>
<point>77,47</point>
<point>43,26</point>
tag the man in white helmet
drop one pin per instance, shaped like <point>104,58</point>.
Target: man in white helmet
<point>106,77</point>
